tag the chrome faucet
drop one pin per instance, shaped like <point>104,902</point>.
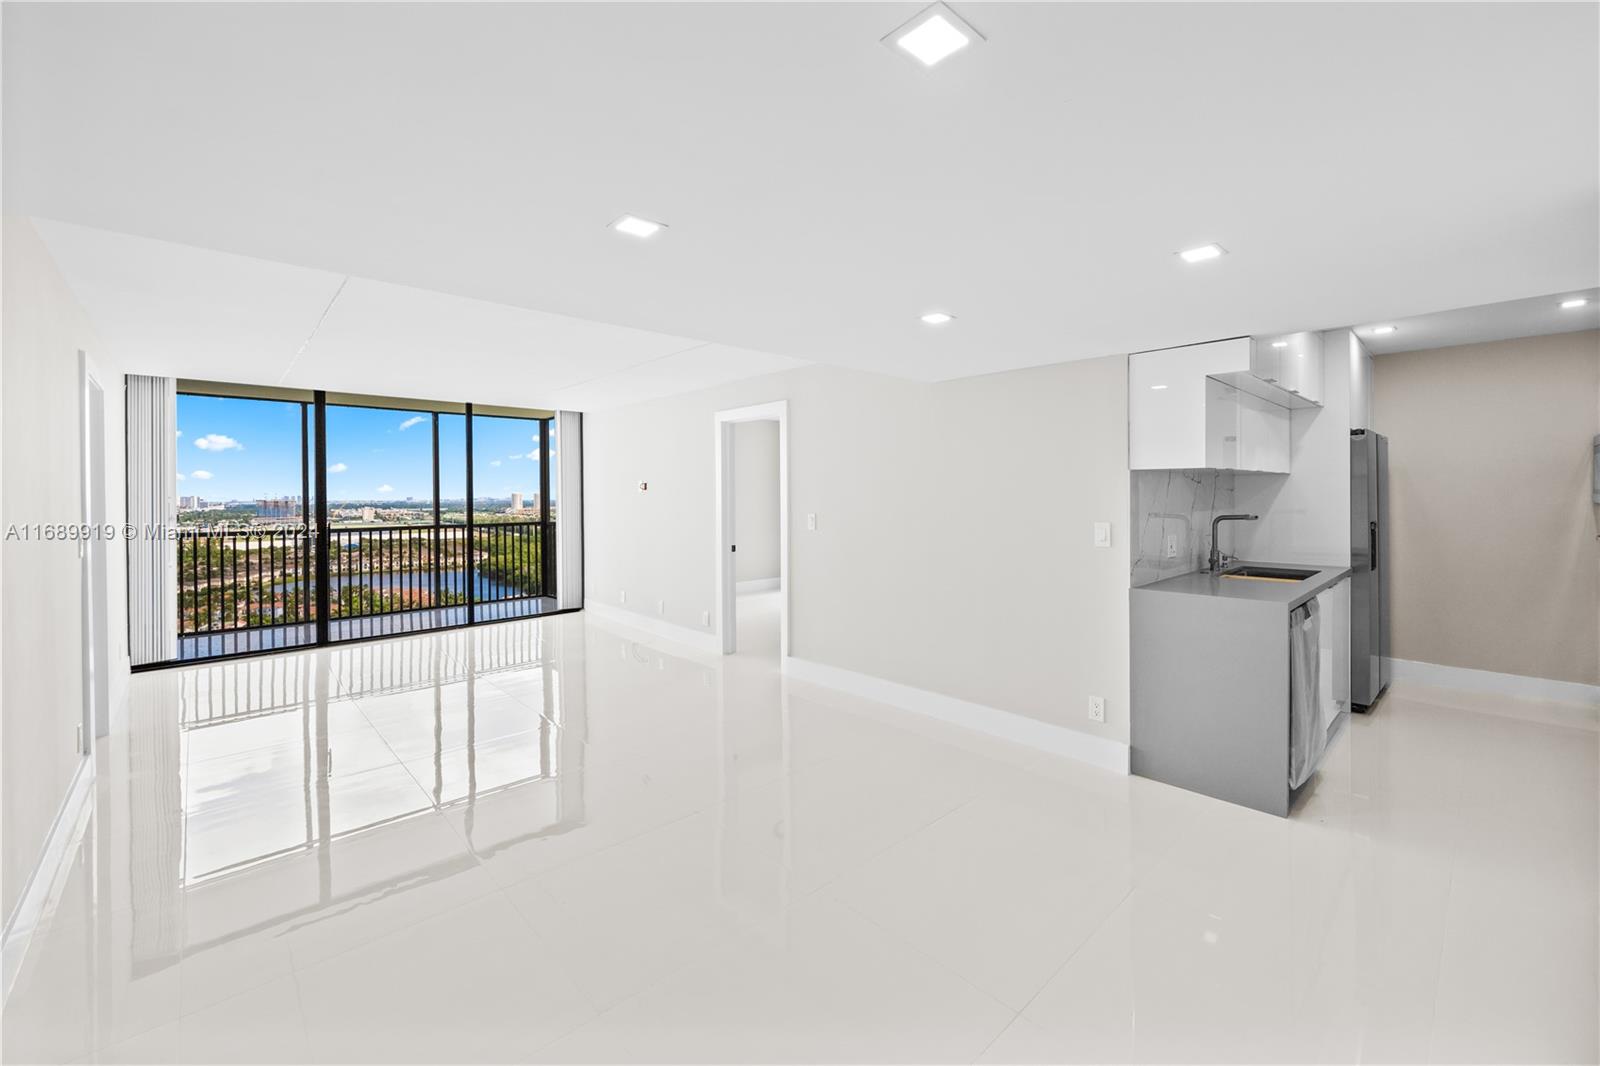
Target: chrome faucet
<point>1214,560</point>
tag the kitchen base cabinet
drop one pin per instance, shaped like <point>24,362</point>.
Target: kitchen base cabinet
<point>1213,683</point>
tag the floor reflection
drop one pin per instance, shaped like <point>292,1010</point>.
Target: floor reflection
<point>550,839</point>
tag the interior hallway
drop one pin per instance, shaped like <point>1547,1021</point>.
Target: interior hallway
<point>547,840</point>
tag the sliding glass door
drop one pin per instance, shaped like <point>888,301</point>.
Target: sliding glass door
<point>244,554</point>
<point>401,517</point>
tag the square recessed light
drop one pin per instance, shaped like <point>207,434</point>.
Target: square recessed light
<point>1158,388</point>
<point>634,226</point>
<point>938,318</point>
<point>1383,331</point>
<point>1202,253</point>
<point>1576,301</point>
<point>936,34</point>
<point>1280,344</point>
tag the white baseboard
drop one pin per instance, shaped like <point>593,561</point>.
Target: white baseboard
<point>699,640</point>
<point>757,584</point>
<point>1515,685</point>
<point>38,901</point>
<point>1018,729</point>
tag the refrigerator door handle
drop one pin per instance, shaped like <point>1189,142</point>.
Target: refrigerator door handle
<point>1372,544</point>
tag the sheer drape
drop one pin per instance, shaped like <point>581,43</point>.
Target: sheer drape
<point>569,510</point>
<point>152,516</point>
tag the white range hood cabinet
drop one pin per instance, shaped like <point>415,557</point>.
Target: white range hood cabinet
<point>1285,369</point>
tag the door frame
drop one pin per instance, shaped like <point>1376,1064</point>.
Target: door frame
<point>96,721</point>
<point>727,584</point>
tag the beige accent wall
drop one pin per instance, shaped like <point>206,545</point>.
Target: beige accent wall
<point>954,547</point>
<point>1496,565</point>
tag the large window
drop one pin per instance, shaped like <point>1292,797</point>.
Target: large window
<point>435,516</point>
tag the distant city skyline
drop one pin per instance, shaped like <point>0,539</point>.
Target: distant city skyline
<point>247,450</point>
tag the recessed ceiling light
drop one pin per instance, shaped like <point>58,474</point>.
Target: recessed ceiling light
<point>936,34</point>
<point>1202,253</point>
<point>938,318</point>
<point>1158,387</point>
<point>1576,301</point>
<point>634,226</point>
<point>1383,331</point>
<point>1280,344</point>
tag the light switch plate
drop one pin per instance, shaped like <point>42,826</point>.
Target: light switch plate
<point>1102,534</point>
<point>811,521</point>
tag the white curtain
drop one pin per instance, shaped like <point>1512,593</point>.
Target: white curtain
<point>152,512</point>
<point>569,509</point>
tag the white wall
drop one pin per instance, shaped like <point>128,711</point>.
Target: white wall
<point>41,688</point>
<point>1305,515</point>
<point>953,550</point>
<point>755,500</point>
<point>1360,384</point>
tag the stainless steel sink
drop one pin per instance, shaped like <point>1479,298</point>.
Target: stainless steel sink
<point>1268,573</point>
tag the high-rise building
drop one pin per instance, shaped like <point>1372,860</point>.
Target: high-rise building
<point>516,502</point>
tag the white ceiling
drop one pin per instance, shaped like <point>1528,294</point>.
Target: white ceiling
<point>1361,162</point>
<point>189,312</point>
<point>1533,317</point>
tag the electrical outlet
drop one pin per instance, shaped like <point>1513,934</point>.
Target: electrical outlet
<point>1102,534</point>
<point>1172,545</point>
<point>622,596</point>
<point>1097,708</point>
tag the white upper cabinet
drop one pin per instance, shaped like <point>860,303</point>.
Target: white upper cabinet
<point>1167,402</point>
<point>1182,417</point>
<point>1244,432</point>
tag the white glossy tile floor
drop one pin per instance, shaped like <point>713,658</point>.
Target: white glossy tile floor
<point>546,841</point>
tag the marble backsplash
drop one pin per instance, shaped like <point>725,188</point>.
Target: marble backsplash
<point>1180,504</point>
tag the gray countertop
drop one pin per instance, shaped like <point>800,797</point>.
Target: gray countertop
<point>1290,595</point>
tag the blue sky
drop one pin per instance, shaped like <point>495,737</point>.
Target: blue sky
<point>232,449</point>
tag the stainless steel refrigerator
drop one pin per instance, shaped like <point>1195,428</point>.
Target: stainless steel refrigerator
<point>1369,567</point>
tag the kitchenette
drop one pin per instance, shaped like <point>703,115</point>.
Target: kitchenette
<point>1257,614</point>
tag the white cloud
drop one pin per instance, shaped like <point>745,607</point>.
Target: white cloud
<point>216,442</point>
<point>494,462</point>
<point>337,468</point>
<point>533,456</point>
<point>413,420</point>
<point>517,456</point>
<point>180,432</point>
<point>385,488</point>
<point>181,477</point>
<point>201,475</point>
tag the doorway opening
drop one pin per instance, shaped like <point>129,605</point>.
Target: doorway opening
<point>753,530</point>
